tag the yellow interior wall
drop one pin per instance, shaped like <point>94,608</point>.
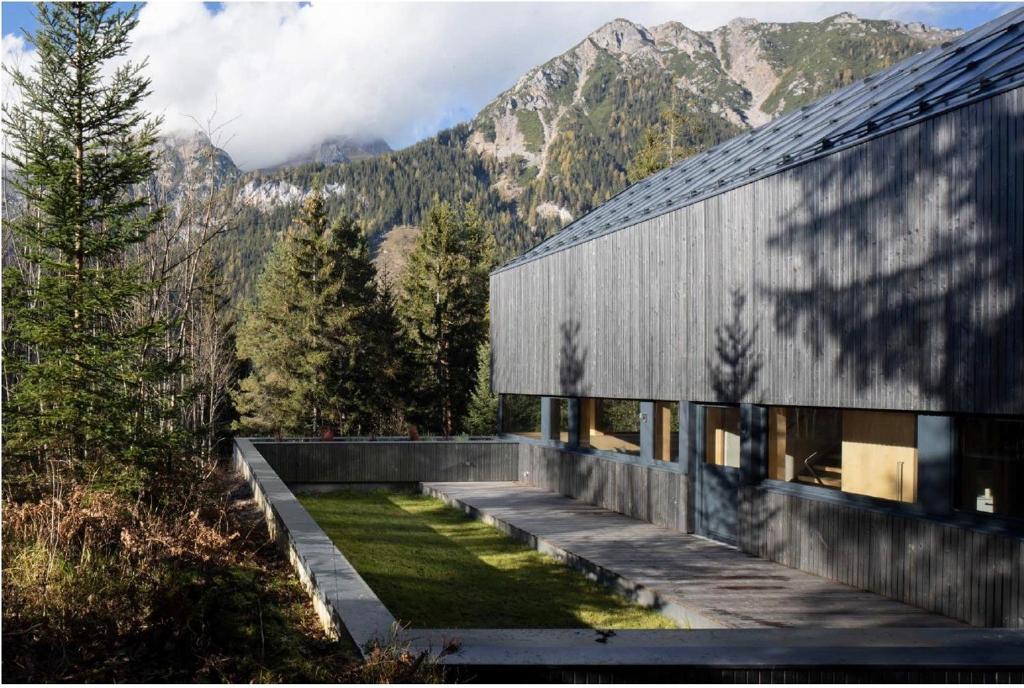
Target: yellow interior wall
<point>721,441</point>
<point>874,445</point>
<point>662,431</point>
<point>777,444</point>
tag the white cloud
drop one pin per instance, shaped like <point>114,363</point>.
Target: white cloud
<point>294,75</point>
<point>16,55</point>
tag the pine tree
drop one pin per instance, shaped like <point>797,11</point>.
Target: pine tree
<point>650,158</point>
<point>444,308</point>
<point>309,335</point>
<point>482,416</point>
<point>677,136</point>
<point>81,385</point>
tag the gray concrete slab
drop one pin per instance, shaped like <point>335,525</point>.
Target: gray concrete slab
<point>732,648</point>
<point>696,582</point>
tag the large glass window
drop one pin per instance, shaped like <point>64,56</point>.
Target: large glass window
<point>872,453</point>
<point>520,415</point>
<point>991,465</point>
<point>615,425</point>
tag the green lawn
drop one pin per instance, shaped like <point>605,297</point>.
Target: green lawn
<point>434,567</point>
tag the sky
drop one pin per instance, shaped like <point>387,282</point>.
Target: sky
<point>276,79</point>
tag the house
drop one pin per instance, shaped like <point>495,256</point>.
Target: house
<point>807,341</point>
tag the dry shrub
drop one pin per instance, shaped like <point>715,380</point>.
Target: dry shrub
<point>100,588</point>
<point>394,661</point>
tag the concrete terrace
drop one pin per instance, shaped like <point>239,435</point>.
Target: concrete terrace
<point>697,582</point>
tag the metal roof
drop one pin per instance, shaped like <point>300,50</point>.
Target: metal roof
<point>976,65</point>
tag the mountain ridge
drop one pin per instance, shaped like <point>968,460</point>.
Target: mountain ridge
<point>558,141</point>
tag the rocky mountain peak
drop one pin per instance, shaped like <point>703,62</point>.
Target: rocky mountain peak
<point>740,23</point>
<point>676,35</point>
<point>622,36</point>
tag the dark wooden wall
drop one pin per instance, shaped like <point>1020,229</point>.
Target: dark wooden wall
<point>887,275</point>
<point>391,462</point>
<point>649,493</point>
<point>969,575</point>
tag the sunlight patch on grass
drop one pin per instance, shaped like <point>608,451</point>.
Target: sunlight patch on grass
<point>435,567</point>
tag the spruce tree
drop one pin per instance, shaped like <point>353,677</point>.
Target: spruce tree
<point>309,334</point>
<point>482,416</point>
<point>389,362</point>
<point>81,385</point>
<point>444,308</point>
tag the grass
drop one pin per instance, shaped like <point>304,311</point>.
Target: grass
<point>435,567</point>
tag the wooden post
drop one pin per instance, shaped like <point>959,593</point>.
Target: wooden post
<point>587,420</point>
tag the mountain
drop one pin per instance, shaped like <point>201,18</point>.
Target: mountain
<point>610,85</point>
<point>338,150</point>
<point>191,159</point>
<point>558,142</point>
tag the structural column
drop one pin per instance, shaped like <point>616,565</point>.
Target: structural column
<point>550,419</point>
<point>656,430</point>
<point>753,443</point>
<point>573,418</point>
<point>935,453</point>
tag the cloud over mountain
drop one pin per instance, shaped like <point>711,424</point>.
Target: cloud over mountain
<point>289,76</point>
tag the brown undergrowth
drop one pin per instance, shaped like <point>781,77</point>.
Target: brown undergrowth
<point>96,588</point>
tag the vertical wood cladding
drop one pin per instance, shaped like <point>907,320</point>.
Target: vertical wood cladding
<point>645,492</point>
<point>970,575</point>
<point>887,275</point>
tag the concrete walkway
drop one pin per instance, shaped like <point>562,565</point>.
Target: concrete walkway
<point>697,582</point>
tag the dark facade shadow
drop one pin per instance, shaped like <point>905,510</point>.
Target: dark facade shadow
<point>938,215</point>
<point>571,360</point>
<point>737,363</point>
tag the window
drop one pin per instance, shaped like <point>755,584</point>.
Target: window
<point>871,453</point>
<point>611,425</point>
<point>520,415</point>
<point>722,435</point>
<point>991,465</point>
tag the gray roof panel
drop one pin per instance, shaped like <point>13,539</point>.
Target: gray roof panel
<point>976,65</point>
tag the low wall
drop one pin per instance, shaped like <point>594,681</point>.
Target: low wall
<point>963,573</point>
<point>343,601</point>
<point>652,493</point>
<point>397,461</point>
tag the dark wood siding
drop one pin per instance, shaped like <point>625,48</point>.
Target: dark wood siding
<point>887,275</point>
<point>967,574</point>
<point>391,462</point>
<point>649,493</point>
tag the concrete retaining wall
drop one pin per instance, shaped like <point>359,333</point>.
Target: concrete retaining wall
<point>344,602</point>
<point>398,461</point>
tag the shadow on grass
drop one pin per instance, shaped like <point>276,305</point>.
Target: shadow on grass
<point>435,567</point>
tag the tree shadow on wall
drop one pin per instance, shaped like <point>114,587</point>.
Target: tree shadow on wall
<point>925,293</point>
<point>572,360</point>
<point>734,374</point>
